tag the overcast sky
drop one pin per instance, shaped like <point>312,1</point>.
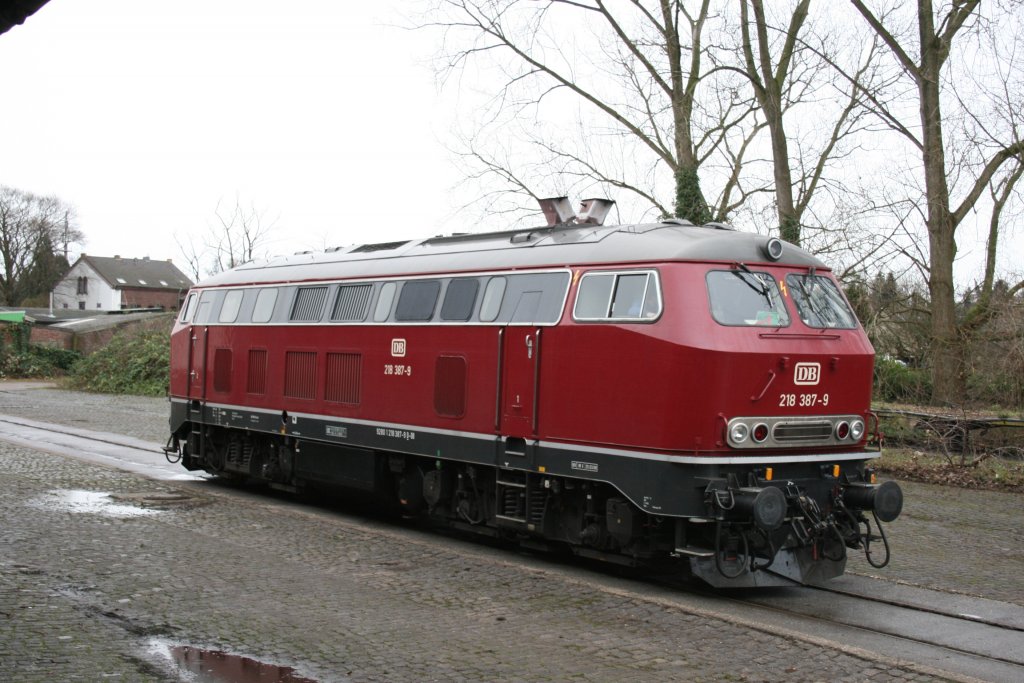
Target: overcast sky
<point>321,115</point>
<point>144,115</point>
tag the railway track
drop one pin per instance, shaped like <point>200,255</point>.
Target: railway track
<point>948,635</point>
<point>941,634</point>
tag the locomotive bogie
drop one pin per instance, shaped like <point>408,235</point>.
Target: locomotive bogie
<point>639,404</point>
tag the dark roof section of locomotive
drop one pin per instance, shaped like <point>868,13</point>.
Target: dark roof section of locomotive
<point>557,246</point>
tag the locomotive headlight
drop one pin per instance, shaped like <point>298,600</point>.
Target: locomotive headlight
<point>856,429</point>
<point>843,430</point>
<point>773,249</point>
<point>738,432</point>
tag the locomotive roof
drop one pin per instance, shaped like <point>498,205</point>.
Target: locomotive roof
<point>557,246</point>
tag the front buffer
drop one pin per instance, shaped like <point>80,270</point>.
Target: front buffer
<point>774,533</point>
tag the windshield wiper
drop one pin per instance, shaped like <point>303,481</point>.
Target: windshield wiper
<point>755,283</point>
<point>811,301</point>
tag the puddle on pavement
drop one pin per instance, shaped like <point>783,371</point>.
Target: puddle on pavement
<point>199,665</point>
<point>88,502</point>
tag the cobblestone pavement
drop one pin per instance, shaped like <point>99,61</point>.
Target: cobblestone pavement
<point>91,596</point>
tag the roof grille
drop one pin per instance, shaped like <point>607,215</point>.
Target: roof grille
<point>380,246</point>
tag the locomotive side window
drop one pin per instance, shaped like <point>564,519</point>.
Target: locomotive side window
<point>351,303</point>
<point>534,298</point>
<point>526,307</point>
<point>819,302</point>
<point>309,304</point>
<point>594,297</point>
<point>189,308</point>
<point>459,299</point>
<point>204,310</point>
<point>745,297</point>
<point>264,308</point>
<point>384,302</point>
<point>229,309</point>
<point>417,300</point>
<point>493,294</point>
<point>618,296</point>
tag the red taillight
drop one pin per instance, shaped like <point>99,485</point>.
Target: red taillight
<point>760,432</point>
<point>843,431</point>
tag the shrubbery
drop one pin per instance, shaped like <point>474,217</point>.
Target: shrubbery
<point>36,362</point>
<point>895,382</point>
<point>137,363</point>
<point>19,358</point>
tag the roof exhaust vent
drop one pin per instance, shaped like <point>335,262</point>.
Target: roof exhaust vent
<point>594,211</point>
<point>557,211</point>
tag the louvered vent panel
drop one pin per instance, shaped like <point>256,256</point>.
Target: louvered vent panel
<point>222,370</point>
<point>309,303</point>
<point>351,303</point>
<point>343,377</point>
<point>802,431</point>
<point>300,374</point>
<point>257,380</point>
<point>450,386</point>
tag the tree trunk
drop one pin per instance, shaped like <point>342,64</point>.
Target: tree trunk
<point>789,223</point>
<point>948,383</point>
<point>690,202</point>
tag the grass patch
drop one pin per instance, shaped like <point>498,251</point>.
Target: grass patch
<point>984,472</point>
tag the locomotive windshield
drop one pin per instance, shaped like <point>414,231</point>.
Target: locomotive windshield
<point>745,297</point>
<point>819,302</point>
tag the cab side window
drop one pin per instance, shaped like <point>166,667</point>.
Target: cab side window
<point>633,296</point>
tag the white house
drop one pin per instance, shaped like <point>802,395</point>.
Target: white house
<point>106,284</point>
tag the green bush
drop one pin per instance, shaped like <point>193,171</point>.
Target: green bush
<point>895,382</point>
<point>36,361</point>
<point>135,363</point>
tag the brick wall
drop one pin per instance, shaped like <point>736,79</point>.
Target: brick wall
<point>48,336</point>
<point>140,297</point>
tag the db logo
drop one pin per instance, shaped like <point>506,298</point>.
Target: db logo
<point>807,373</point>
<point>398,349</point>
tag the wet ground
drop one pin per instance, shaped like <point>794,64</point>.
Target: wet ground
<point>217,576</point>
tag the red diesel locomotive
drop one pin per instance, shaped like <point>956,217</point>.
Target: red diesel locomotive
<point>642,393</point>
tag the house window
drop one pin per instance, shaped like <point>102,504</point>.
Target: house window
<point>81,305</point>
<point>83,285</point>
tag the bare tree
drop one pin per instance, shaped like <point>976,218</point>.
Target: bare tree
<point>239,236</point>
<point>674,104</point>
<point>769,81</point>
<point>810,70</point>
<point>986,163</point>
<point>33,231</point>
<point>633,71</point>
